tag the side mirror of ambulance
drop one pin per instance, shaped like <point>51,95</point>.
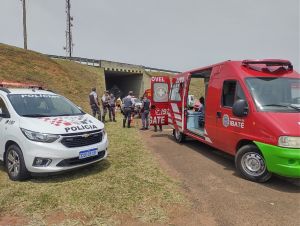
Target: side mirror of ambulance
<point>240,108</point>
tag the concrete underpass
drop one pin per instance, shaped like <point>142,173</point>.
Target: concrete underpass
<point>125,81</point>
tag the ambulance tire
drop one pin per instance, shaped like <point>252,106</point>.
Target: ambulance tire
<point>251,164</point>
<point>179,136</point>
<point>14,155</point>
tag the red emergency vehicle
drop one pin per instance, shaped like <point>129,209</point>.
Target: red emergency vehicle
<point>159,98</point>
<point>251,111</point>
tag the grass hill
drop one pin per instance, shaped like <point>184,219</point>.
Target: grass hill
<point>67,78</point>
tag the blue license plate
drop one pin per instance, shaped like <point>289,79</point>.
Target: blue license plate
<point>88,153</point>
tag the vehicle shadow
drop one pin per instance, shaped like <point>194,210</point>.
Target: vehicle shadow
<point>278,183</point>
<point>70,175</point>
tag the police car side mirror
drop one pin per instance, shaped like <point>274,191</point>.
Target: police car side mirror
<point>240,108</point>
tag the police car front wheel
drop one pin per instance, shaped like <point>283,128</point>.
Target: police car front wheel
<point>15,165</point>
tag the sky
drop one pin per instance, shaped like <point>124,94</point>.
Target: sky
<point>170,34</point>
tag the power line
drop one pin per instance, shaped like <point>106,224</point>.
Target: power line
<point>69,40</point>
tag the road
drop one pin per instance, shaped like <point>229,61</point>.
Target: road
<point>219,196</point>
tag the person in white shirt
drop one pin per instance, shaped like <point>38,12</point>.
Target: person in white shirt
<point>105,104</point>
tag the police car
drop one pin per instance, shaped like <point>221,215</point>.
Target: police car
<point>43,132</point>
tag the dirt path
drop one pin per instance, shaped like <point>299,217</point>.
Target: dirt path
<point>218,194</point>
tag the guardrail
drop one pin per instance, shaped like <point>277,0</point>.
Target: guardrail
<point>99,63</point>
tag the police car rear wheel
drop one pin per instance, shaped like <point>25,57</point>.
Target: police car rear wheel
<point>251,164</point>
<point>179,137</point>
<point>15,164</point>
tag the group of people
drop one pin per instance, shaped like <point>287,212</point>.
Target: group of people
<point>108,103</point>
<point>127,109</point>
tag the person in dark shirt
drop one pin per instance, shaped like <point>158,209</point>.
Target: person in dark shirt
<point>94,103</point>
<point>145,113</point>
<point>127,109</point>
<point>202,111</point>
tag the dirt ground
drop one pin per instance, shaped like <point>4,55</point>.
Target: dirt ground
<point>219,196</point>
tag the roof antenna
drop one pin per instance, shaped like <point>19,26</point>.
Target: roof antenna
<point>69,38</point>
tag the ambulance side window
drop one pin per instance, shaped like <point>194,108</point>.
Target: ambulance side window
<point>232,92</point>
<point>3,108</point>
<point>239,94</point>
<point>175,92</point>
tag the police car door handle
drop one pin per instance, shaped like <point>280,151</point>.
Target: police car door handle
<point>219,114</point>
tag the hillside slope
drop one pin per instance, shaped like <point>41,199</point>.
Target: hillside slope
<point>67,78</point>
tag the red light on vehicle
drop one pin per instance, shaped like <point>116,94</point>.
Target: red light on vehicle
<point>269,65</point>
<point>19,85</point>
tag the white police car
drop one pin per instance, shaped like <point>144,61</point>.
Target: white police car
<point>43,132</point>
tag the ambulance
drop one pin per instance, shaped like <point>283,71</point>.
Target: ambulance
<point>251,111</point>
<point>43,132</point>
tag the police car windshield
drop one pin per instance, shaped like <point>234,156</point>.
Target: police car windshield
<point>275,94</point>
<point>43,105</point>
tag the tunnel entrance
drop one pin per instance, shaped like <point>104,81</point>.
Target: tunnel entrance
<point>125,82</point>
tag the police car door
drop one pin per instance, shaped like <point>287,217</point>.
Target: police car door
<point>160,87</point>
<point>3,120</point>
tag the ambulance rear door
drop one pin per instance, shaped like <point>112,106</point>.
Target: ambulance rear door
<point>177,103</point>
<point>160,87</point>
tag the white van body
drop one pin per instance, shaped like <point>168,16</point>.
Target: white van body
<point>48,143</point>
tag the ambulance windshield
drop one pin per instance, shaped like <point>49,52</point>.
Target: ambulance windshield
<point>43,105</point>
<point>275,94</point>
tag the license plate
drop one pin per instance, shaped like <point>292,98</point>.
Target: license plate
<point>88,153</point>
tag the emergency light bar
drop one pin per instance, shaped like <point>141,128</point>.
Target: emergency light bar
<point>268,63</point>
<point>20,85</point>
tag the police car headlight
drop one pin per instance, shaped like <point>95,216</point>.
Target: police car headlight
<point>39,137</point>
<point>289,142</point>
<point>103,132</point>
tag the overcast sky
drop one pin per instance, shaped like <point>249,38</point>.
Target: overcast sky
<point>170,34</point>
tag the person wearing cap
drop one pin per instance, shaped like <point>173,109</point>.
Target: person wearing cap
<point>105,104</point>
<point>127,109</point>
<point>94,103</point>
<point>145,113</point>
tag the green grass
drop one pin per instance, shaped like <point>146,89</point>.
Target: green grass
<point>129,182</point>
<point>197,88</point>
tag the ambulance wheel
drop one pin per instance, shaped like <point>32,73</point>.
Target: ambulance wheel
<point>251,164</point>
<point>179,137</point>
<point>15,164</point>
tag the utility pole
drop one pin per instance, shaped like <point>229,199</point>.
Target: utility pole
<point>69,41</point>
<point>24,24</point>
